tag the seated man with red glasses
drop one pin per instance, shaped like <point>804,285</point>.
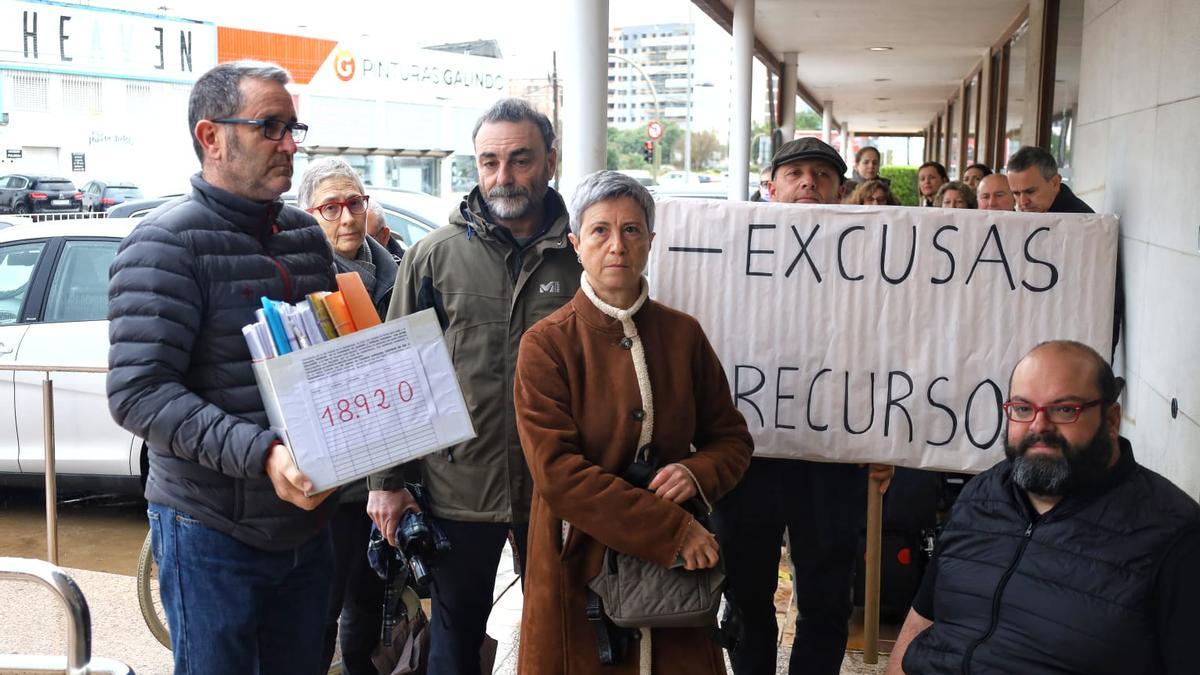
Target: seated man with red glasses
<point>1068,556</point>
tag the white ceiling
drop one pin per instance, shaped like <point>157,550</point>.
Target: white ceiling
<point>936,44</point>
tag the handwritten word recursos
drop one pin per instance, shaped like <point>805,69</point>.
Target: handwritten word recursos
<point>844,258</point>
<point>778,397</point>
<point>346,410</point>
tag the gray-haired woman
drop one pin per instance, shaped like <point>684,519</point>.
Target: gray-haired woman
<point>955,195</point>
<point>333,193</point>
<point>607,375</point>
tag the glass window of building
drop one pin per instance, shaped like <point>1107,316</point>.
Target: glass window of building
<point>418,174</point>
<point>1015,104</point>
<point>463,173</point>
<point>971,110</point>
<point>1066,83</point>
<point>953,119</point>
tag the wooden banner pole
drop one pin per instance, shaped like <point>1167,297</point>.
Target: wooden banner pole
<point>871,589</point>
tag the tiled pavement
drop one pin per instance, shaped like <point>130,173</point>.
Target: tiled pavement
<point>34,624</point>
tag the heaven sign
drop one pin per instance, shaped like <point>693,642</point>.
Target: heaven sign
<point>882,334</point>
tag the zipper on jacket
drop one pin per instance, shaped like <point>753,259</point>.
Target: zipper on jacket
<point>1012,567</point>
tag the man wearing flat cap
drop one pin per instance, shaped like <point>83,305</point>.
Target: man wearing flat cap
<point>820,505</point>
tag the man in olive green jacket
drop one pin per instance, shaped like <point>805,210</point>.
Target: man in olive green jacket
<point>502,264</point>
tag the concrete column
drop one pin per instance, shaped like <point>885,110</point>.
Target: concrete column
<point>847,148</point>
<point>826,120</point>
<point>787,96</point>
<point>585,136</point>
<point>739,132</point>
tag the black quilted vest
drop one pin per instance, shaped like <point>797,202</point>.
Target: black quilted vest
<point>1069,592</point>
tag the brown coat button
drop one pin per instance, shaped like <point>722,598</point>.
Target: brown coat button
<point>639,414</point>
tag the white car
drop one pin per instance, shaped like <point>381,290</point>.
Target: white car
<point>53,308</point>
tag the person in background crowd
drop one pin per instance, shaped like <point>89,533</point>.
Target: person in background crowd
<point>500,266</point>
<point>574,389</point>
<point>333,193</point>
<point>243,555</point>
<point>994,195</point>
<point>763,193</point>
<point>866,167</point>
<point>955,195</point>
<point>821,505</point>
<point>975,173</point>
<point>1066,557</point>
<point>930,177</point>
<point>1036,185</point>
<point>872,193</point>
<point>1038,188</point>
<point>378,230</point>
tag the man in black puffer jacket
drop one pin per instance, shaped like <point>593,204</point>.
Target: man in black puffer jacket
<point>1067,557</point>
<point>243,554</point>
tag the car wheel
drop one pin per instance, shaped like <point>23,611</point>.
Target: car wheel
<point>21,208</point>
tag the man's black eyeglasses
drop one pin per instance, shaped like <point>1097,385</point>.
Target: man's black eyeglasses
<point>272,128</point>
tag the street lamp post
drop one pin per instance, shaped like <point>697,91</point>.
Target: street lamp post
<point>653,95</point>
<point>687,133</point>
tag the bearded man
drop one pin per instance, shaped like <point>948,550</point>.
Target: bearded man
<point>1067,557</point>
<point>501,265</point>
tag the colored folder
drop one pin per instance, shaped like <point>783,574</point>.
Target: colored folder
<point>358,301</point>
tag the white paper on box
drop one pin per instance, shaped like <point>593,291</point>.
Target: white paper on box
<point>366,401</point>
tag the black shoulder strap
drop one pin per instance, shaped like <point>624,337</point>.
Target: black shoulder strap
<point>610,640</point>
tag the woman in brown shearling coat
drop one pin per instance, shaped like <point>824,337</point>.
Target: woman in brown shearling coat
<point>609,373</point>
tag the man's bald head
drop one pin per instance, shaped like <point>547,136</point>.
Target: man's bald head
<point>994,194</point>
<point>1108,385</point>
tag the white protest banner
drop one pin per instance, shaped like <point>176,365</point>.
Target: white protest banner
<point>881,334</point>
<point>366,401</point>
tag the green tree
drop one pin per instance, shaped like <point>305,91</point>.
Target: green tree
<point>807,119</point>
<point>706,148</point>
<point>904,183</point>
<point>625,146</point>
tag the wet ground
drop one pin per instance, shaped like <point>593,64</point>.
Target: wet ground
<point>102,533</point>
<point>99,540</point>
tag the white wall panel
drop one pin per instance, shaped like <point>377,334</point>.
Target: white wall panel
<point>1179,78</point>
<point>1095,69</point>
<point>1136,49</point>
<point>1135,156</point>
<point>1177,176</point>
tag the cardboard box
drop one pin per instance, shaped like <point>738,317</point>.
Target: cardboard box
<point>366,401</point>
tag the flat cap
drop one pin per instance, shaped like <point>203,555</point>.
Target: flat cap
<point>807,148</point>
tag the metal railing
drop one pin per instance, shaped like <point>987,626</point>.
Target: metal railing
<point>48,434</point>
<point>79,624</point>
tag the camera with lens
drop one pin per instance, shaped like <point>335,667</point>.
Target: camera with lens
<point>423,543</point>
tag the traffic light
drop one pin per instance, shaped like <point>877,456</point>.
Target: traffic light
<point>648,151</point>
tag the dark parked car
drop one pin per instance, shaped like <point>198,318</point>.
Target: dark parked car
<point>98,196</point>
<point>23,193</point>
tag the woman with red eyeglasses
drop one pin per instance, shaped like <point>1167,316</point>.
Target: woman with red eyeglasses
<point>332,193</point>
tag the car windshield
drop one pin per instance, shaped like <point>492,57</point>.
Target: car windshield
<point>126,191</point>
<point>55,186</point>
